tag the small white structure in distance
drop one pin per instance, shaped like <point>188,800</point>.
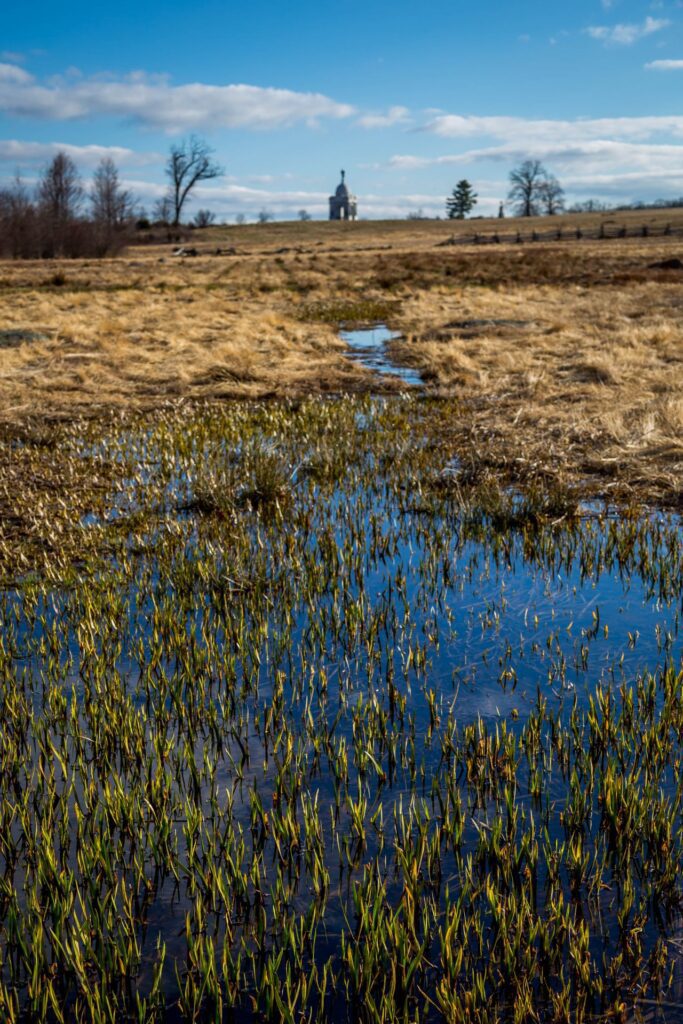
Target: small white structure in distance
<point>342,204</point>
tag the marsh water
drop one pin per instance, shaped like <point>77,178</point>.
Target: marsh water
<point>314,713</point>
<point>368,348</point>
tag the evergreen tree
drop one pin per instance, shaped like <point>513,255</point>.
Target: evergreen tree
<point>461,201</point>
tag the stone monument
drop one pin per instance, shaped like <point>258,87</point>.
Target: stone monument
<point>343,205</point>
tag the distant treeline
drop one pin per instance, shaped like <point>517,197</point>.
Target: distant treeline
<point>596,206</point>
<point>60,217</point>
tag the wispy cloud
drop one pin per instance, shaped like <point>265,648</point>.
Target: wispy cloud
<point>394,116</point>
<point>589,157</point>
<point>153,101</point>
<point>11,74</point>
<point>526,132</point>
<point>627,186</point>
<point>636,157</point>
<point>627,34</point>
<point>665,65</point>
<point>13,56</point>
<point>21,154</point>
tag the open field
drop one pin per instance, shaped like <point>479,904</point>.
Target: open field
<point>568,353</point>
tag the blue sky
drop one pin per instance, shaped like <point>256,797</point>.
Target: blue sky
<point>408,97</point>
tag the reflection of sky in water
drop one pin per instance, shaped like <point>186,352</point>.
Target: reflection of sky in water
<point>495,626</point>
<point>368,348</point>
<point>498,624</point>
<point>543,627</point>
<point>513,613</point>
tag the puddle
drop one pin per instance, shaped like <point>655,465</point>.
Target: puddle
<point>368,347</point>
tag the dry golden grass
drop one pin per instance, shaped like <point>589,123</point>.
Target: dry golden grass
<point>567,355</point>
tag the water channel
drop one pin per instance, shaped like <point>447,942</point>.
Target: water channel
<point>368,348</point>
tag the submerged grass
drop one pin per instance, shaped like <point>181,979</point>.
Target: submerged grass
<point>280,743</point>
<point>349,312</point>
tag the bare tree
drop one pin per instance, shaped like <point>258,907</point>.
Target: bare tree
<point>60,195</point>
<point>18,222</point>
<point>303,215</point>
<point>240,218</point>
<point>525,182</point>
<point>60,191</point>
<point>264,216</point>
<point>112,205</point>
<point>551,196</point>
<point>188,163</point>
<point>162,211</point>
<point>203,218</point>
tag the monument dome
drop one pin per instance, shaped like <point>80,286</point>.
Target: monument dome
<point>343,204</point>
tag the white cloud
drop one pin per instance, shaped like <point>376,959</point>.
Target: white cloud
<point>152,100</point>
<point>628,158</point>
<point>29,153</point>
<point>525,132</point>
<point>13,74</point>
<point>627,187</point>
<point>394,116</point>
<point>627,34</point>
<point>590,157</point>
<point>665,65</point>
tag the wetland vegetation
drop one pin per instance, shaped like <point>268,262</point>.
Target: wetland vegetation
<point>311,712</point>
<point>324,702</point>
